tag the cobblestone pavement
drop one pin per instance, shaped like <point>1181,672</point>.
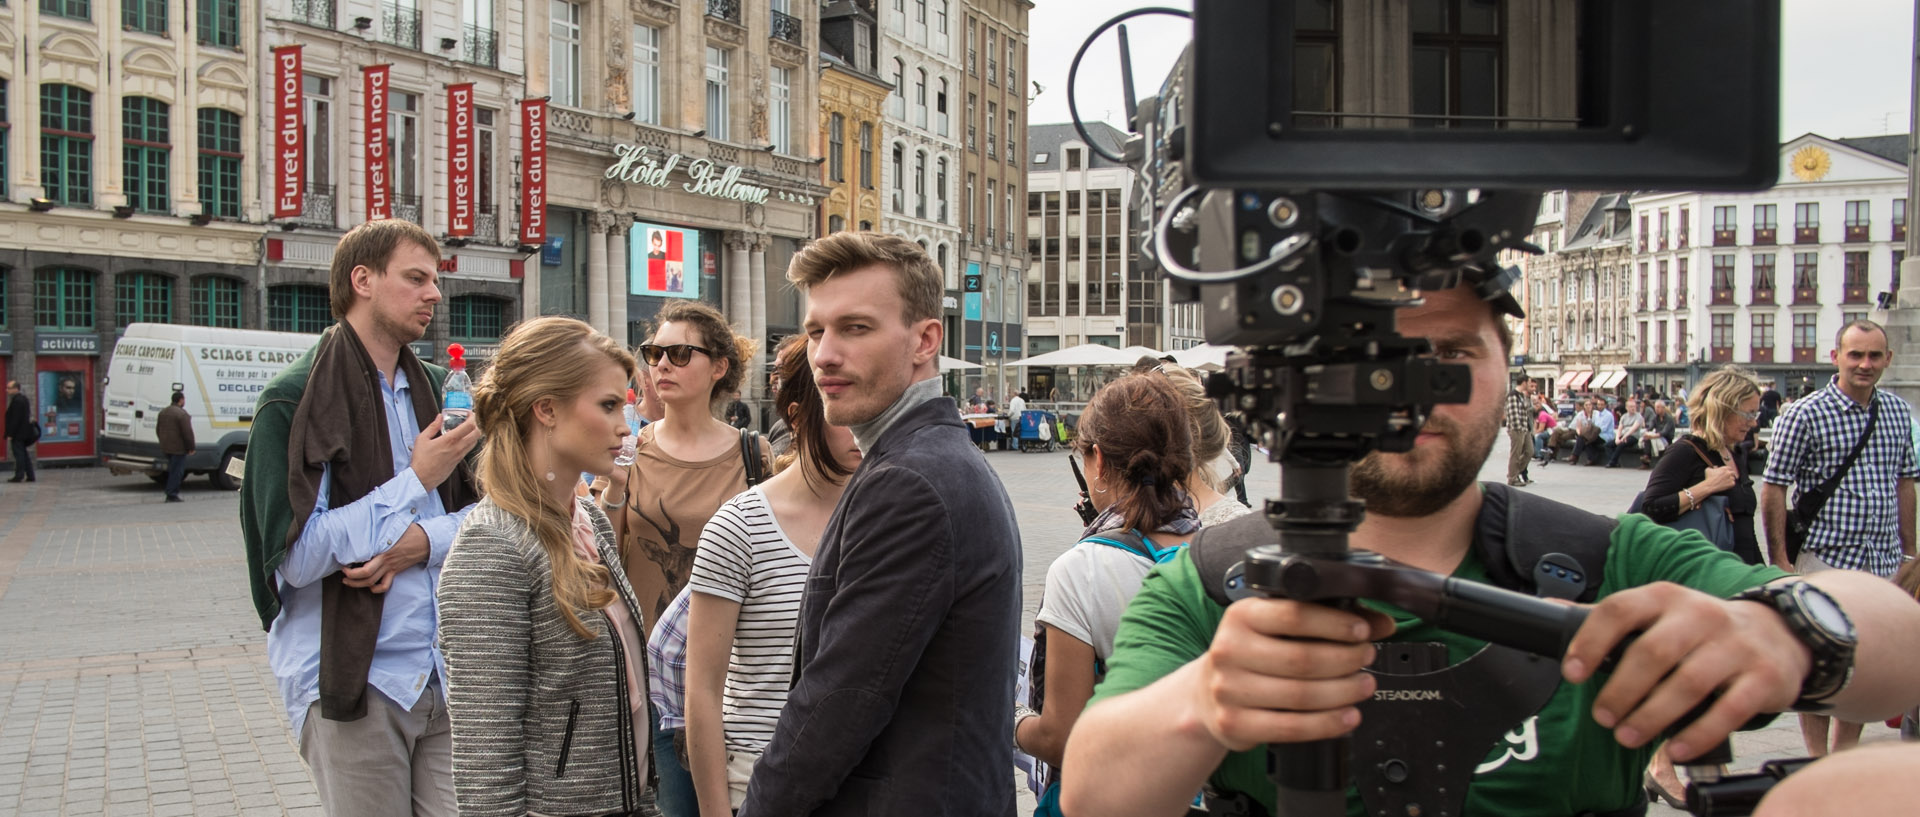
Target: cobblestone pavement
<point>133,673</point>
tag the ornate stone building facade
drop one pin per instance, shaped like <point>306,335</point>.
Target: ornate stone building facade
<point>1576,294</point>
<point>853,101</point>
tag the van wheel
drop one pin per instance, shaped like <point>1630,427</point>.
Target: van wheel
<point>219,477</point>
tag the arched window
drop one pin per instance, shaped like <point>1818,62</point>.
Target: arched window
<point>920,98</point>
<point>940,109</point>
<point>898,102</point>
<point>940,186</point>
<point>66,145</point>
<point>899,178</point>
<point>920,184</point>
<point>298,308</point>
<point>835,224</point>
<point>476,317</point>
<point>142,297</point>
<point>216,301</point>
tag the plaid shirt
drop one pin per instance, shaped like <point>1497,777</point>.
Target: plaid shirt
<point>667,663</point>
<point>1859,528</point>
<point>1519,412</point>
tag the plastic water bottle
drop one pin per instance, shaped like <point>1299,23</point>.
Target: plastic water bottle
<point>629,444</point>
<point>457,395</point>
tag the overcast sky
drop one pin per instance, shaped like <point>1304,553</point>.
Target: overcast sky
<point>1846,69</point>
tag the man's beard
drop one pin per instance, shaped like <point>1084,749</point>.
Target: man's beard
<point>1423,482</point>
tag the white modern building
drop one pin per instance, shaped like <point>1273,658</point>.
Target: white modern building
<point>920,158</point>
<point>1766,279</point>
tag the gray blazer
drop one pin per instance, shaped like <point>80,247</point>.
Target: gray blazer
<point>906,640</point>
<point>540,717</point>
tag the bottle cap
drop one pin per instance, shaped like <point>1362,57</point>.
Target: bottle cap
<point>630,397</point>
<point>457,355</point>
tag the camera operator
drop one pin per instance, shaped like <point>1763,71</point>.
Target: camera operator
<point>1193,690</point>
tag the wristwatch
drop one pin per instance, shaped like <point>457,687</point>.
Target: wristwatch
<point>1817,620</point>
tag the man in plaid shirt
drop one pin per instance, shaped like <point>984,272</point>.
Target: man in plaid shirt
<point>1868,522</point>
<point>1520,416</point>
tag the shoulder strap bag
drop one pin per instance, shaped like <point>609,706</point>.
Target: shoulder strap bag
<point>750,455</point>
<point>1805,508</point>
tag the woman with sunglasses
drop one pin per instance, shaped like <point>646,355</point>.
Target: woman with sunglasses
<point>684,467</point>
<point>748,575</point>
<point>1710,460</point>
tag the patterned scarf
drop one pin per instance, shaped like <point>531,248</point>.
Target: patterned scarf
<point>1182,524</point>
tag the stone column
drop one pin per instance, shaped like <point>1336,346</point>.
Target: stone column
<point>754,387</point>
<point>597,270</point>
<point>619,266</point>
<point>739,305</point>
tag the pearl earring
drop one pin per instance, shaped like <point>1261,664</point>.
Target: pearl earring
<point>550,475</point>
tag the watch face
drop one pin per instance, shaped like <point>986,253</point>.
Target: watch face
<point>1825,613</point>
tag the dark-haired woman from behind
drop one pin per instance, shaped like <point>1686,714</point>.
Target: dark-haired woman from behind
<point>1137,440</point>
<point>748,576</point>
<point>546,673</point>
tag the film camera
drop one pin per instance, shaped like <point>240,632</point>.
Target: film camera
<point>1309,167</point>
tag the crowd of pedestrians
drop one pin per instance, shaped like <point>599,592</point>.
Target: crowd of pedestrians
<point>538,608</point>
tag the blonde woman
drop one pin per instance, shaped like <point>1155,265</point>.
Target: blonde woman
<point>1211,463</point>
<point>748,576</point>
<point>546,672</point>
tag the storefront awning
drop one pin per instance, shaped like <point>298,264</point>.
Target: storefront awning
<point>1607,379</point>
<point>1579,380</point>
<point>1542,372</point>
<point>1565,378</point>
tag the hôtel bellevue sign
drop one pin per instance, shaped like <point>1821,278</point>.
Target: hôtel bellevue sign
<point>639,165</point>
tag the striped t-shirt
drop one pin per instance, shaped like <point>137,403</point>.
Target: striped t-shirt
<point>745,557</point>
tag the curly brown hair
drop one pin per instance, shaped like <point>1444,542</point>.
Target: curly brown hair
<point>715,335</point>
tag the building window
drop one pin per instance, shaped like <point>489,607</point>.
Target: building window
<point>972,102</point>
<point>989,209</point>
<point>866,155</point>
<point>319,124</point>
<point>718,60</point>
<point>1012,193</point>
<point>899,179</point>
<point>220,160</point>
<point>835,224</point>
<point>63,298</point>
<point>216,301</point>
<point>1763,271</point>
<point>1013,72</point>
<point>1764,217</point>
<point>142,297</point>
<point>563,52</point>
<point>993,57</point>
<point>1859,216</point>
<point>837,147</point>
<point>1456,63</point>
<point>403,128</point>
<point>920,98</point>
<point>780,118</point>
<point>476,317</point>
<point>71,9</point>
<point>1723,272</point>
<point>1899,205</point>
<point>940,109</point>
<point>1762,330</point>
<point>1013,145</point>
<point>993,128</point>
<point>1806,270</point>
<point>920,184</point>
<point>6,129</point>
<point>1805,331</point>
<point>1806,215</point>
<point>940,188</point>
<point>66,143</point>
<point>147,16</point>
<point>487,226</point>
<point>144,153</point>
<point>646,74</point>
<point>862,47</point>
<point>298,308</point>
<point>971,217</point>
<point>220,23</point>
<point>1722,330</point>
<point>1855,269</point>
<point>1073,159</point>
<point>897,101</point>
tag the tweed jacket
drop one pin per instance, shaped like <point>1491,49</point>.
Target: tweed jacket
<point>540,716</point>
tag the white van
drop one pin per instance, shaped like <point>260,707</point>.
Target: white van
<point>222,372</point>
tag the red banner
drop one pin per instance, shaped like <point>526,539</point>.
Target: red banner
<point>289,133</point>
<point>533,171</point>
<point>460,189</point>
<point>379,201</point>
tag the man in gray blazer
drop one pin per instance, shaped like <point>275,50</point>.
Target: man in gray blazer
<point>903,697</point>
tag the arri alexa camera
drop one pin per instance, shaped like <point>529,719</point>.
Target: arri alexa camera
<point>1309,167</point>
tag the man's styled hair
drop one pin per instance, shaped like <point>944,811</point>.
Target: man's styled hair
<point>915,276</point>
<point>1861,323</point>
<point>371,245</point>
<point>178,398</point>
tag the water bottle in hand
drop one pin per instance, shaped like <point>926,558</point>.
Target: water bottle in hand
<point>457,394</point>
<point>630,443</point>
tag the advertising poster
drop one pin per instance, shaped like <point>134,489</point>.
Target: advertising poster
<point>289,133</point>
<point>663,261</point>
<point>63,407</point>
<point>533,171</point>
<point>379,206</point>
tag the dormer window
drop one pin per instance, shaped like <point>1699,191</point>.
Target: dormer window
<point>1041,158</point>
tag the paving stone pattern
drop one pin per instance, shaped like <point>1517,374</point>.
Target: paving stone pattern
<point>133,672</point>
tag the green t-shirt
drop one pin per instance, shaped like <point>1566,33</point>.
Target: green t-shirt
<point>1557,762</point>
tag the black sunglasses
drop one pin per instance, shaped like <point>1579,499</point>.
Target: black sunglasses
<point>680,354</point>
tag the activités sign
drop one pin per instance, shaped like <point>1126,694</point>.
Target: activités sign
<point>379,206</point>
<point>289,133</point>
<point>638,165</point>
<point>460,187</point>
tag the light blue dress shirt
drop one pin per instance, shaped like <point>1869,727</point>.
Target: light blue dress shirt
<point>1603,420</point>
<point>406,656</point>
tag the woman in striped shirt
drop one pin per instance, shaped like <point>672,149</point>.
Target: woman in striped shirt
<point>748,575</point>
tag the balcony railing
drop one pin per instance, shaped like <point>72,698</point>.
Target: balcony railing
<point>1764,236</point>
<point>1682,239</point>
<point>481,46</point>
<point>316,207</point>
<point>1763,296</point>
<point>1723,238</point>
<point>1899,231</point>
<point>400,25</point>
<point>406,208</point>
<point>1806,295</point>
<point>786,27</point>
<point>1806,235</point>
<point>1760,354</point>
<point>1856,233</point>
<point>1803,354</point>
<point>1853,294</point>
<point>1680,299</point>
<point>486,224</point>
<point>1721,354</point>
<point>317,13</point>
<point>1722,297</point>
<point>1660,301</point>
<point>728,10</point>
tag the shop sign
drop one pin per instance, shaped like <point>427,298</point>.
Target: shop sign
<point>78,344</point>
<point>6,343</point>
<point>422,349</point>
<point>450,263</point>
<point>289,133</point>
<point>533,171</point>
<point>638,164</point>
<point>460,187</point>
<point>379,206</point>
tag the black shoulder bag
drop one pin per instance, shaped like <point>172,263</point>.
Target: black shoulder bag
<point>1800,517</point>
<point>750,455</point>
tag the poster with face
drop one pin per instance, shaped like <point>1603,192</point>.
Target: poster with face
<point>659,257</point>
<point>63,407</point>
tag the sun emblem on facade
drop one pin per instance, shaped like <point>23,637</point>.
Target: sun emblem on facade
<point>1811,163</point>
